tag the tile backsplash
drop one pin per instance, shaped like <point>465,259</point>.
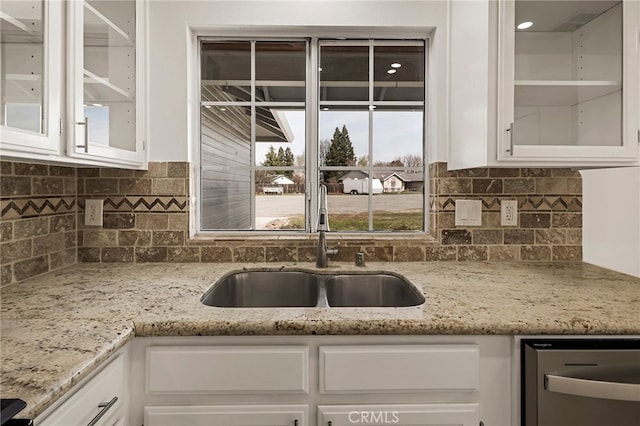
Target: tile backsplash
<point>146,219</point>
<point>38,221</point>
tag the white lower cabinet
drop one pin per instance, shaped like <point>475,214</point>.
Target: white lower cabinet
<point>399,415</point>
<point>322,380</point>
<point>100,400</point>
<point>228,415</point>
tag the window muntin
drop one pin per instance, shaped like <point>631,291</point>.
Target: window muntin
<point>255,119</point>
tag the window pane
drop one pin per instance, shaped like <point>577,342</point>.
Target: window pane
<point>280,128</point>
<point>401,206</point>
<point>22,64</point>
<point>347,202</point>
<point>280,200</point>
<point>343,139</point>
<point>399,73</point>
<point>344,73</point>
<point>226,170</point>
<point>226,71</point>
<point>280,71</point>
<point>398,137</point>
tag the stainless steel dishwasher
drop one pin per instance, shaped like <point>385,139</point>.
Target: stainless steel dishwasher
<point>585,382</point>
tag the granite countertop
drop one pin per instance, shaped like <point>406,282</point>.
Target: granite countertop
<point>56,328</point>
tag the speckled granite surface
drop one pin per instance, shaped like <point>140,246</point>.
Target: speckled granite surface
<point>56,328</point>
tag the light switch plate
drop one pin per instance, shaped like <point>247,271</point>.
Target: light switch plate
<point>468,213</point>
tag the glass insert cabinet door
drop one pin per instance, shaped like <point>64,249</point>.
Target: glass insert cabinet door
<point>29,64</point>
<point>565,71</point>
<point>103,78</point>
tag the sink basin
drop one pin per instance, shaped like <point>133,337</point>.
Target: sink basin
<point>264,289</point>
<point>282,289</point>
<point>372,290</point>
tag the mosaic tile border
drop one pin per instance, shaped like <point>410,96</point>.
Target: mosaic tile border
<point>16,208</point>
<point>525,203</point>
<point>142,204</point>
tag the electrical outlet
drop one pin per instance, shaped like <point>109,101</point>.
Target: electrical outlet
<point>93,212</point>
<point>509,212</point>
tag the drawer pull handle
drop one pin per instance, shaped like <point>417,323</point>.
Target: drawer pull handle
<point>105,407</point>
<point>295,422</point>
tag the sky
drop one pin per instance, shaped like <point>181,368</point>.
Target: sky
<point>396,133</point>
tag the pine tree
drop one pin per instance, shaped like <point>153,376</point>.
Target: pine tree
<point>340,152</point>
<point>271,158</point>
<point>289,161</point>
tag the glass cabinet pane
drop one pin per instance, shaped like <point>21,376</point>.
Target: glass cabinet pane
<point>568,73</point>
<point>22,65</point>
<point>109,73</point>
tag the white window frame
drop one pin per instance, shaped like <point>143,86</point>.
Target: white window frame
<point>311,152</point>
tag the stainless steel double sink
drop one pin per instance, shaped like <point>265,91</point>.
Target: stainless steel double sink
<point>278,288</point>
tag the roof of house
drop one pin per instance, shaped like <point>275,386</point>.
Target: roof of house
<point>281,180</point>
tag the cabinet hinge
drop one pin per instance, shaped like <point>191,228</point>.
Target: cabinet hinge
<point>60,121</point>
<point>144,144</point>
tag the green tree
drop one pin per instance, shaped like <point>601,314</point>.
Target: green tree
<point>281,157</point>
<point>284,157</point>
<point>271,158</point>
<point>340,152</point>
<point>289,160</point>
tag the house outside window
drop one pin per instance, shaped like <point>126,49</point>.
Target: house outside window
<point>280,117</point>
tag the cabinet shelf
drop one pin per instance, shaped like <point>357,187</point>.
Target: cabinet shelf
<point>96,18</point>
<point>102,88</point>
<point>561,92</point>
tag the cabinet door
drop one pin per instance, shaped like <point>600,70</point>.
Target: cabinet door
<point>30,61</point>
<point>103,399</point>
<point>229,415</point>
<point>568,77</point>
<point>399,414</point>
<point>105,80</point>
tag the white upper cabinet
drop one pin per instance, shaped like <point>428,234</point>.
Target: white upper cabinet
<point>561,79</point>
<point>105,64</point>
<point>103,123</point>
<point>31,77</point>
<point>569,81</point>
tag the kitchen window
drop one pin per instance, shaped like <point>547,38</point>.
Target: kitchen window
<point>280,117</point>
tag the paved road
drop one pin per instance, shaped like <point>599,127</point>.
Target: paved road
<point>291,205</point>
<point>270,208</point>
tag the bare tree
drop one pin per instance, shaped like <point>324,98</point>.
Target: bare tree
<point>412,160</point>
<point>323,149</point>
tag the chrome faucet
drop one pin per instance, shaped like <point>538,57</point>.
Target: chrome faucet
<point>323,227</point>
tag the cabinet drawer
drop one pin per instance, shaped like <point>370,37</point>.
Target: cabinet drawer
<point>232,415</point>
<point>83,405</point>
<point>227,369</point>
<point>381,368</point>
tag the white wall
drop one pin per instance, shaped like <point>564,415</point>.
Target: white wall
<point>611,218</point>
<point>171,23</point>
